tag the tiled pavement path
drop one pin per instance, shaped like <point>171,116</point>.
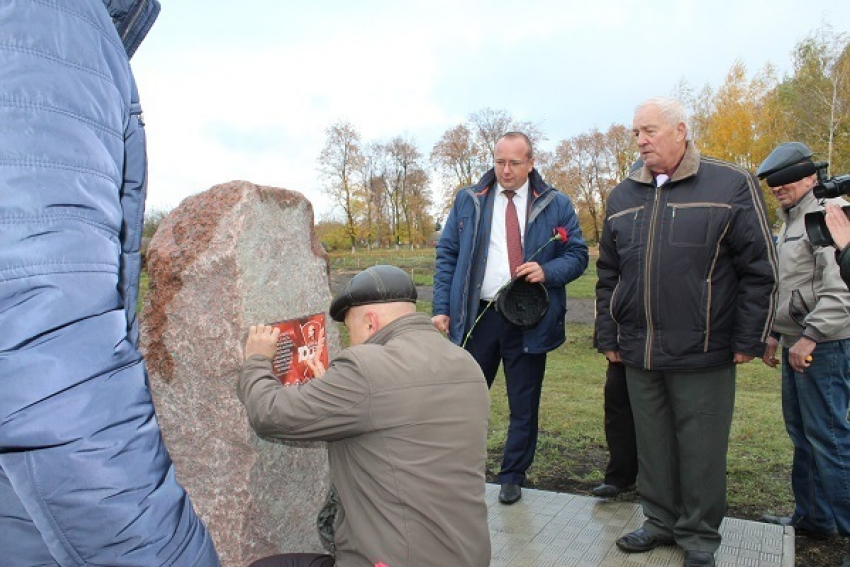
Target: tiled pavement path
<point>548,529</point>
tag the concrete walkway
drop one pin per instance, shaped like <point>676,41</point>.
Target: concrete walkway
<point>549,529</point>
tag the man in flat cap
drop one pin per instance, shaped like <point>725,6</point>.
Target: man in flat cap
<point>404,412</point>
<point>813,327</point>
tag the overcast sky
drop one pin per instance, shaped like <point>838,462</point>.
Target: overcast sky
<point>245,90</point>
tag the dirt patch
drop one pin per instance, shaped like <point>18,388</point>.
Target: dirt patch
<point>581,310</point>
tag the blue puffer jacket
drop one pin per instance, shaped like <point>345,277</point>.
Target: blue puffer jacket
<point>462,257</point>
<point>84,476</point>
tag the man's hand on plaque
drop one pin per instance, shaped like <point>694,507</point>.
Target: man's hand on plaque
<point>314,363</point>
<point>262,340</point>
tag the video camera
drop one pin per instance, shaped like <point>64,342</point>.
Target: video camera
<point>827,187</point>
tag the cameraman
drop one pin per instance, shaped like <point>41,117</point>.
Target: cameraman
<point>813,327</point>
<point>839,227</point>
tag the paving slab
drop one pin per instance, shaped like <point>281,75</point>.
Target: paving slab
<point>554,529</point>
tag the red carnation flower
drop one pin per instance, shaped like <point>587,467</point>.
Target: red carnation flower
<point>560,233</point>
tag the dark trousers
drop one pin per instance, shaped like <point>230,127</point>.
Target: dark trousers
<point>682,423</point>
<point>495,341</point>
<point>295,560</point>
<point>622,466</point>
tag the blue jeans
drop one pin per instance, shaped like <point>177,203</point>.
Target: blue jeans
<point>815,405</point>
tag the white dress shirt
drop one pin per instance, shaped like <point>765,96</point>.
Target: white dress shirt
<point>498,273</point>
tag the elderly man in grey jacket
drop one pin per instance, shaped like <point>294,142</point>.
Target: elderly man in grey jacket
<point>404,412</point>
<point>813,327</point>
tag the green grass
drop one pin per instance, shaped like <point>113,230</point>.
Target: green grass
<point>584,286</point>
<point>423,279</point>
<point>419,263</point>
<point>144,282</point>
<point>419,260</point>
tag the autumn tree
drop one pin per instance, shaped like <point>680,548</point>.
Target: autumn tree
<point>489,125</point>
<point>339,163</point>
<point>419,222</point>
<point>332,233</point>
<point>543,163</point>
<point>621,154</point>
<point>731,132</point>
<point>373,191</point>
<point>405,178</point>
<point>817,97</point>
<point>588,166</point>
<point>459,160</point>
<point>579,166</point>
<point>465,152</point>
<point>698,106</point>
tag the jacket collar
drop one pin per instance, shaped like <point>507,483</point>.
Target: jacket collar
<point>800,207</point>
<point>133,20</point>
<point>688,167</point>
<point>409,321</point>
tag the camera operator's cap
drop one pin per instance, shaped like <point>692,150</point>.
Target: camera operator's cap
<point>378,284</point>
<point>787,163</point>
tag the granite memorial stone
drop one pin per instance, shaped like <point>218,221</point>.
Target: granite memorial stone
<point>235,255</point>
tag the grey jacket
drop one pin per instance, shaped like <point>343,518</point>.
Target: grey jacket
<point>813,299</point>
<point>405,416</point>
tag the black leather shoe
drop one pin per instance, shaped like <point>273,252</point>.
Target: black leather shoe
<point>510,493</point>
<point>801,530</point>
<point>610,490</point>
<point>641,540</point>
<point>699,559</point>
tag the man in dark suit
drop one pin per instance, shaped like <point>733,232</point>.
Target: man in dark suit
<point>502,229</point>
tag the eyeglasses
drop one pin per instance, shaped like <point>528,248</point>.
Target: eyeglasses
<point>513,164</point>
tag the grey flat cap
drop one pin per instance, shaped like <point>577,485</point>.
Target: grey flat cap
<point>378,284</point>
<point>789,162</point>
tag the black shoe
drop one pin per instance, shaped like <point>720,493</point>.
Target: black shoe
<point>510,493</point>
<point>610,490</point>
<point>787,522</point>
<point>699,559</point>
<point>641,540</point>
